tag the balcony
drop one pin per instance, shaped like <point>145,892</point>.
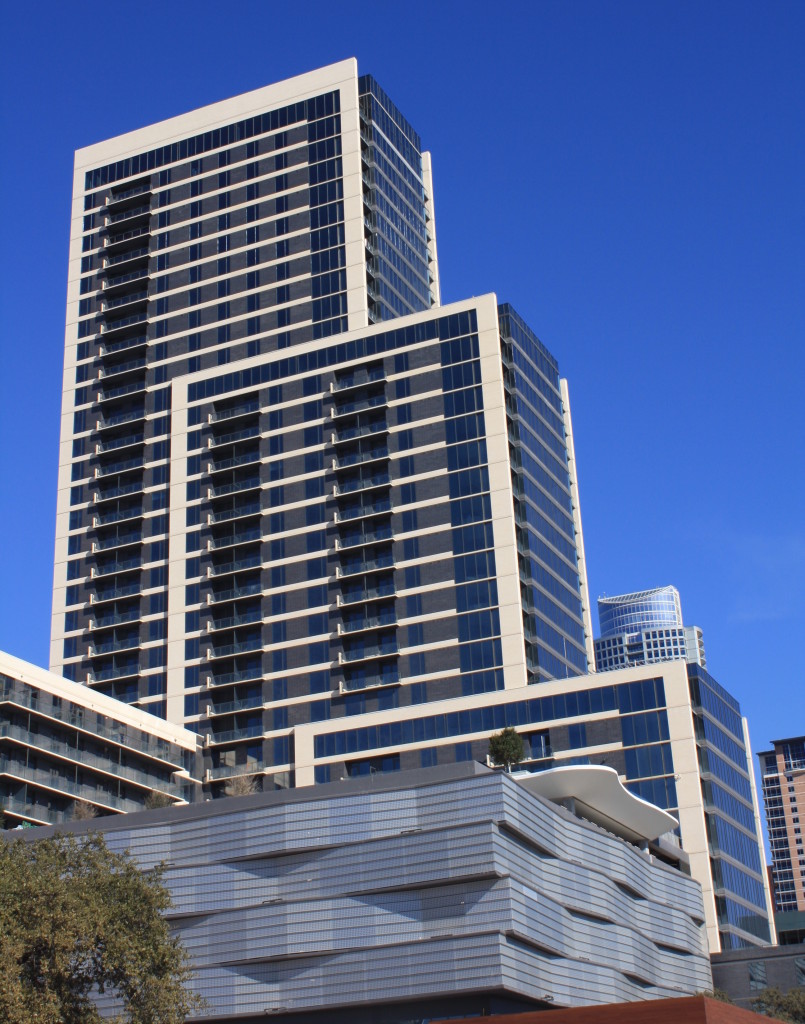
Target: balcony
<point>236,460</point>
<point>227,514</point>
<point>229,650</point>
<point>248,732</point>
<point>359,379</point>
<point>121,344</point>
<point>390,677</point>
<point>119,369</point>
<point>110,468</point>
<point>234,593</point>
<point>124,389</point>
<point>122,237</point>
<point>360,538</point>
<point>238,410</point>
<point>119,515</point>
<point>359,405</point>
<point>123,300</point>
<point>120,540</point>
<point>103,447</point>
<point>373,622</point>
<point>230,539</point>
<point>123,257</point>
<point>220,490</point>
<point>362,483</point>
<point>213,625</point>
<point>110,568</point>
<point>230,771</point>
<point>115,672</point>
<point>115,198</point>
<point>235,435</point>
<point>116,619</point>
<point>360,595</point>
<point>359,458</point>
<point>110,646</point>
<point>388,649</point>
<point>232,706</point>
<point>56,782</point>
<point>115,219</point>
<point>362,430</point>
<point>239,676</point>
<point>109,326</point>
<point>111,594</point>
<point>357,568</point>
<point>250,562</point>
<point>116,282</point>
<point>362,511</point>
<point>117,492</point>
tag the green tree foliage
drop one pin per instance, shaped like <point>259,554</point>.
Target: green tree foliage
<point>75,917</point>
<point>785,1006</point>
<point>506,748</point>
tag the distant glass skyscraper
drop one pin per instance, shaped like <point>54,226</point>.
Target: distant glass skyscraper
<point>644,628</point>
<point>292,486</point>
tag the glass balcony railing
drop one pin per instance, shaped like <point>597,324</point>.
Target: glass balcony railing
<point>245,590</point>
<point>123,343</point>
<point>233,735</point>
<point>118,541</point>
<point>133,211</point>
<point>241,563</point>
<point>359,538</point>
<point>244,675</point>
<point>110,593</point>
<point>120,442</point>
<point>234,488</point>
<point>229,771</point>
<point>362,483</point>
<point>119,565</point>
<point>243,647</point>
<point>351,433</point>
<point>361,511</point>
<point>229,539</point>
<point>56,781</point>
<point>234,620</point>
<point>359,405</point>
<point>119,467</point>
<point>238,410</point>
<point>236,705</point>
<point>118,492</point>
<point>359,595</point>
<point>236,460</point>
<point>124,389</point>
<point>110,646</point>
<point>115,672</point>
<point>123,300</point>
<point>80,718</point>
<point>118,368</point>
<point>126,321</point>
<point>360,378</point>
<point>115,620</point>
<point>135,190</point>
<point>133,275</point>
<point>235,435</point>
<point>373,622</point>
<point>126,236</point>
<point>122,417</point>
<point>225,515</point>
<point>124,257</point>
<point>356,567</point>
<point>358,458</point>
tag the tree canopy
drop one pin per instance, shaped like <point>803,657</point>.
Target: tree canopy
<point>77,919</point>
<point>785,1006</point>
<point>506,747</point>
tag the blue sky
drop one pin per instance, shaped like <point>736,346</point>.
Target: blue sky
<point>628,175</point>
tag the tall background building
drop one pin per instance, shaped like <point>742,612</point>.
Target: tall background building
<point>782,773</point>
<point>644,628</point>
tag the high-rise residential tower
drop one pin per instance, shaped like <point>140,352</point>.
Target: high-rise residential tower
<point>782,772</point>
<point>644,628</point>
<point>292,486</point>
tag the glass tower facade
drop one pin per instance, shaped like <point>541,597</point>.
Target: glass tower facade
<point>274,508</point>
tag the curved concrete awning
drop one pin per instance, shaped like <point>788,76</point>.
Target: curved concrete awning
<point>600,796</point>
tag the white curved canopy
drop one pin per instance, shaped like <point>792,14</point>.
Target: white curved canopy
<point>600,796</point>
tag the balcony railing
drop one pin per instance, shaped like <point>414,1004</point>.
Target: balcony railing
<point>118,492</point>
<point>243,647</point>
<point>236,705</point>
<point>361,511</point>
<point>359,378</point>
<point>366,653</point>
<point>120,442</point>
<point>58,783</point>
<point>355,568</point>
<point>124,389</point>
<point>241,563</point>
<point>113,371</point>
<point>114,592</point>
<point>362,483</point>
<point>350,408</point>
<point>360,595</point>
<point>235,538</point>
<point>115,620</point>
<point>119,467</point>
<point>134,211</point>
<point>115,645</point>
<point>233,735</point>
<point>121,565</point>
<point>358,458</point>
<point>225,515</point>
<point>136,190</point>
<point>244,675</point>
<point>238,410</point>
<point>214,625</point>
<point>246,590</point>
<point>126,321</point>
<point>133,275</point>
<point>235,435</point>
<point>234,488</point>
<point>351,433</point>
<point>119,541</point>
<point>124,257</point>
<point>123,300</point>
<point>374,622</point>
<point>359,539</point>
<point>123,343</point>
<point>236,460</point>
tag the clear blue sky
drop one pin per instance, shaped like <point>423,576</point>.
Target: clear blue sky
<point>629,175</point>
